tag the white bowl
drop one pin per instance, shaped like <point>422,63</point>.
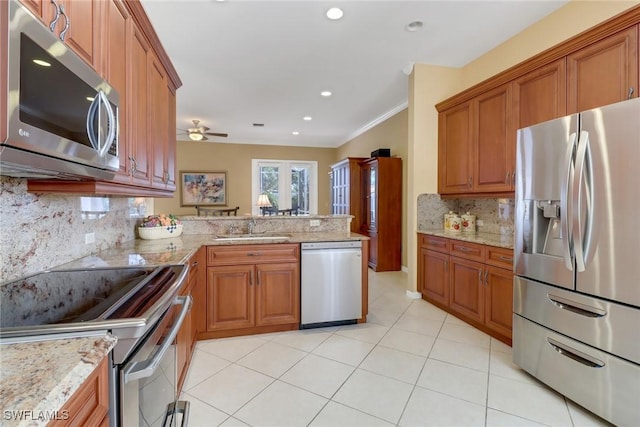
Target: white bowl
<point>164,232</point>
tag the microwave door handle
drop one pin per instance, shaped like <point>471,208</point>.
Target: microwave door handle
<point>111,136</point>
<point>91,131</point>
<point>146,368</point>
<point>565,205</point>
<point>578,181</point>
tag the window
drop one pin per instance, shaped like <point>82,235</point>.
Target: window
<point>288,184</point>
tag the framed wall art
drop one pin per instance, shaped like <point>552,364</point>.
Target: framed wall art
<point>203,188</point>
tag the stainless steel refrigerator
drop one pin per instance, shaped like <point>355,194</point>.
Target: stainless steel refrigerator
<point>576,322</point>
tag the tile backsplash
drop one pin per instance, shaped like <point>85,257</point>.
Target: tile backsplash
<point>41,231</point>
<point>497,215</point>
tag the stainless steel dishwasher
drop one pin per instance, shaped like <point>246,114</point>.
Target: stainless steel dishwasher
<point>331,283</point>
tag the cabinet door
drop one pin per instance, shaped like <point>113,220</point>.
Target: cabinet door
<point>433,276</point>
<point>199,293</point>
<point>370,195</point>
<point>230,297</point>
<point>494,141</point>
<point>82,35</point>
<point>277,294</point>
<point>603,72</point>
<point>467,288</point>
<point>116,43</point>
<point>138,103</point>
<point>158,112</point>
<point>34,6</point>
<point>540,95</point>
<point>499,300</point>
<point>455,159</point>
<point>183,342</point>
<point>171,148</point>
<point>373,249</point>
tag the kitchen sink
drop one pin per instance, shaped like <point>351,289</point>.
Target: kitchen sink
<point>254,236</point>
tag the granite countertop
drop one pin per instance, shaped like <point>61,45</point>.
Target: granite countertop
<point>41,376</point>
<point>491,239</point>
<point>178,250</point>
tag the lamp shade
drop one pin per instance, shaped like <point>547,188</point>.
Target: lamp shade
<point>263,201</point>
<point>196,136</point>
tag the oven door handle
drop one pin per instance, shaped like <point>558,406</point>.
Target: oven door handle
<point>174,408</point>
<point>146,368</point>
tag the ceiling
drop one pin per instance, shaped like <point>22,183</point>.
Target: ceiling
<point>245,62</point>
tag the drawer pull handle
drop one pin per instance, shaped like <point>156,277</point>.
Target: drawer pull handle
<point>464,249</point>
<point>506,258</point>
<point>576,355</point>
<point>254,253</point>
<point>576,307</point>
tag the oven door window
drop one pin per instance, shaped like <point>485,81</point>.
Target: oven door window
<point>147,391</point>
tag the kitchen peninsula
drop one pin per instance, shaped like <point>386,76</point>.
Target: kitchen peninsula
<point>200,234</point>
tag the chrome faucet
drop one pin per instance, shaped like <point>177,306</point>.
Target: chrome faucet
<point>251,225</point>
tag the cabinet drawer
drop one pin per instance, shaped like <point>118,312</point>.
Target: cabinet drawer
<point>252,254</point>
<point>499,257</point>
<point>434,243</point>
<point>471,251</point>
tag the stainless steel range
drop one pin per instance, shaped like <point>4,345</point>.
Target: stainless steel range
<point>139,305</point>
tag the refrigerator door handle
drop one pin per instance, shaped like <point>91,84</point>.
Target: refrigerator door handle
<point>565,203</point>
<point>580,232</point>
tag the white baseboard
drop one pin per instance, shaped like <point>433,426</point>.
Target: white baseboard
<point>413,294</point>
<point>404,269</point>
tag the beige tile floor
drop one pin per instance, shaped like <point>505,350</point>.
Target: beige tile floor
<point>412,364</point>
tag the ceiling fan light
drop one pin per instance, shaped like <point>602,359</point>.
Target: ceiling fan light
<point>196,136</point>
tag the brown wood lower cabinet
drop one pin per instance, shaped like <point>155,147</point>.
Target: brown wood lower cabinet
<point>89,405</point>
<point>469,280</point>
<point>252,289</point>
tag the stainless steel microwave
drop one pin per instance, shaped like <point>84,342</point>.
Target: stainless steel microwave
<point>62,117</point>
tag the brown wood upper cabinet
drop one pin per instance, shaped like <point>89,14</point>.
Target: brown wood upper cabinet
<point>117,39</point>
<point>75,22</point>
<point>603,72</point>
<point>455,161</point>
<point>493,142</point>
<point>540,95</point>
<point>477,128</point>
<point>476,145</point>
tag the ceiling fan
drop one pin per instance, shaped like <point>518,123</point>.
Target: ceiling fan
<point>198,133</point>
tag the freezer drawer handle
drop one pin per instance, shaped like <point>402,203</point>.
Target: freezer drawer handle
<point>576,355</point>
<point>576,307</point>
<point>177,407</point>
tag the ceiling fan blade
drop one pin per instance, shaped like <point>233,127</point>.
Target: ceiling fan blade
<point>203,129</point>
<point>222,135</point>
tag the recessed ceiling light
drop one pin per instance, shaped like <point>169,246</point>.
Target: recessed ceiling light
<point>335,13</point>
<point>306,118</point>
<point>295,132</point>
<point>325,93</point>
<point>42,63</point>
<point>414,26</point>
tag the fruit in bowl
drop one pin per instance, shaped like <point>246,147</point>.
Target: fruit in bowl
<point>160,227</point>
